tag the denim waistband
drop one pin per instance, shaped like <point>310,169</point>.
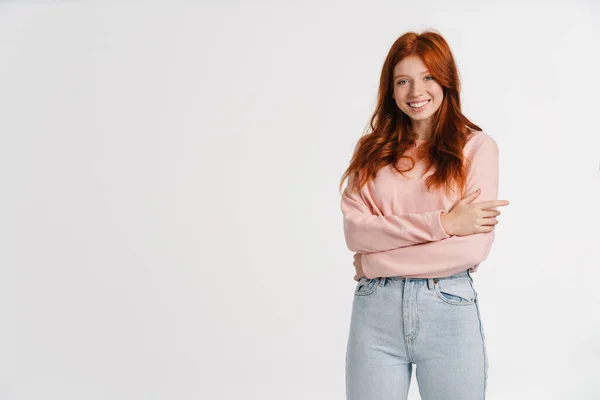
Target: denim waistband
<point>458,275</point>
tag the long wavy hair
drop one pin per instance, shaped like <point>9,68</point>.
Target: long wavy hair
<point>391,133</point>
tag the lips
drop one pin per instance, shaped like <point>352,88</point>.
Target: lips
<point>418,102</point>
<point>419,109</point>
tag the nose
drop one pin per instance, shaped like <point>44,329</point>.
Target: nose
<point>415,90</point>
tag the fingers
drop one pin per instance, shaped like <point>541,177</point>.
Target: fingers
<point>357,266</point>
<point>489,222</point>
<point>492,204</point>
<point>489,212</point>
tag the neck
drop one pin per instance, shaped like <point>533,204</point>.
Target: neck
<point>422,129</point>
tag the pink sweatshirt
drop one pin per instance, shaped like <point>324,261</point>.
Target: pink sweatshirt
<point>395,222</point>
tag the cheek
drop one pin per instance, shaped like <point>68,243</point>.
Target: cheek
<point>399,97</point>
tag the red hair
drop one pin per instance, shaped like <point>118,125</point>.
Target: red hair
<point>391,135</point>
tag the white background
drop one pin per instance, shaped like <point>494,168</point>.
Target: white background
<point>170,212</point>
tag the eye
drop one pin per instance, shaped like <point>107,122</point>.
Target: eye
<point>400,82</point>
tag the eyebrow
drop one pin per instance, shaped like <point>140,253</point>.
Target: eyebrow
<point>422,73</point>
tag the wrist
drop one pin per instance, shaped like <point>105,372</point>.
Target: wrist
<point>446,224</point>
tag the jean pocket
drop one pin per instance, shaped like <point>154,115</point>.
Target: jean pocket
<point>458,291</point>
<point>365,286</point>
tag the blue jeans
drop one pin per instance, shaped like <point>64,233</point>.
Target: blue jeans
<point>433,323</point>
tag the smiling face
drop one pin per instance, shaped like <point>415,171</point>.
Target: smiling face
<point>417,94</point>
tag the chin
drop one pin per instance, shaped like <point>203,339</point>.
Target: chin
<point>417,117</point>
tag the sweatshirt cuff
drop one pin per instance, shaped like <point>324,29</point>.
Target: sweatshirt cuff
<point>439,232</point>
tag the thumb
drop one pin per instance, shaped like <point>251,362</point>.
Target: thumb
<point>472,196</point>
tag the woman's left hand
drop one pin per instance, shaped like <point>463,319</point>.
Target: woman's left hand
<point>358,266</point>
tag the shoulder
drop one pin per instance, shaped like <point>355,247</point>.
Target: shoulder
<point>479,142</point>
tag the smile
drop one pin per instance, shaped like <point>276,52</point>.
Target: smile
<point>419,106</point>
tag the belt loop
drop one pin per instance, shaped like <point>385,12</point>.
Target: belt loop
<point>382,281</point>
<point>430,283</point>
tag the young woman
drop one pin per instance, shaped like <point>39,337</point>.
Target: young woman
<point>411,217</point>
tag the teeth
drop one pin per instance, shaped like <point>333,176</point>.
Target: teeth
<point>417,105</point>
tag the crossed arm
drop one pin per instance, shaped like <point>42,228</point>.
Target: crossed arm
<point>393,242</point>
<point>365,232</point>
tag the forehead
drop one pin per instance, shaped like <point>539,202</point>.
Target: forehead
<point>412,66</point>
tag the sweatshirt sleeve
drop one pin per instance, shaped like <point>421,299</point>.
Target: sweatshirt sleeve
<point>453,254</point>
<point>365,232</point>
